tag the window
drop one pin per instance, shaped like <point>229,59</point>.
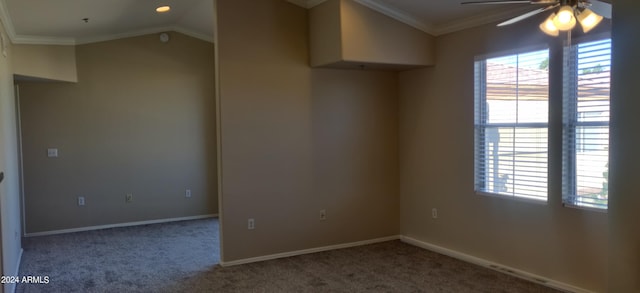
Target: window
<point>511,125</point>
<point>586,124</point>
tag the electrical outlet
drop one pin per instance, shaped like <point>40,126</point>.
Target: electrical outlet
<point>128,198</point>
<point>52,152</point>
<point>323,215</point>
<point>80,200</point>
<point>187,193</point>
<point>251,224</point>
<point>434,213</point>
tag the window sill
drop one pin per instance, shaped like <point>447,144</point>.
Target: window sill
<point>577,207</point>
<point>513,198</point>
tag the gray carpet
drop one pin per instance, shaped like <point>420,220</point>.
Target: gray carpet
<point>182,257</point>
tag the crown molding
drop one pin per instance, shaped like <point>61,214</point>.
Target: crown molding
<point>435,30</point>
<point>379,7</point>
<point>154,30</point>
<point>40,40</point>
<point>398,15</point>
<point>5,19</point>
<point>193,34</point>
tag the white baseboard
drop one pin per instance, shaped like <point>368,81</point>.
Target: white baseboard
<point>494,266</point>
<point>307,251</point>
<point>412,241</point>
<point>119,225</point>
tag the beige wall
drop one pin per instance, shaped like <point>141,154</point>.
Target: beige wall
<point>10,187</point>
<point>140,120</point>
<point>346,34</point>
<point>436,167</point>
<point>45,61</point>
<point>624,205</point>
<point>296,140</point>
<point>325,33</point>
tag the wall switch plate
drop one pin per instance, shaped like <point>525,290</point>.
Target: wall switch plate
<point>323,215</point>
<point>187,193</point>
<point>251,224</point>
<point>129,197</point>
<point>434,213</point>
<point>52,152</point>
<point>80,200</point>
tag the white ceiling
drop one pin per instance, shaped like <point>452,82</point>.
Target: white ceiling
<point>60,21</point>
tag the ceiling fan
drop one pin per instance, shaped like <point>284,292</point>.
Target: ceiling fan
<point>588,13</point>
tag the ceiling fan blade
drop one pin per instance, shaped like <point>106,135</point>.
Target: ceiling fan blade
<point>509,2</point>
<point>601,8</point>
<point>544,1</point>
<point>496,2</point>
<point>527,15</point>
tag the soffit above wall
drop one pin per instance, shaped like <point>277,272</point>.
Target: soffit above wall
<point>436,17</point>
<point>61,22</point>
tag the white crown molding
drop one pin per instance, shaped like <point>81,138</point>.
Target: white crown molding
<point>398,15</point>
<point>193,34</point>
<point>5,19</point>
<point>435,30</point>
<point>40,40</point>
<point>380,7</point>
<point>154,30</point>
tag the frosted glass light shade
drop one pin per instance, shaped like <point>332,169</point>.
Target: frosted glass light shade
<point>565,20</point>
<point>548,27</point>
<point>588,19</point>
<point>163,9</point>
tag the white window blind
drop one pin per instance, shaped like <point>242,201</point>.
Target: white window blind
<point>511,125</point>
<point>586,124</point>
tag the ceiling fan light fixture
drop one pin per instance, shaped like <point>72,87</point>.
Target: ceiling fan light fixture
<point>548,27</point>
<point>589,19</point>
<point>564,19</point>
<point>163,9</point>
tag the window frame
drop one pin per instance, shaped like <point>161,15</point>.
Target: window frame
<point>571,123</point>
<point>480,127</point>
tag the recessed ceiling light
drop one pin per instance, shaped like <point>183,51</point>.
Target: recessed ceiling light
<point>163,9</point>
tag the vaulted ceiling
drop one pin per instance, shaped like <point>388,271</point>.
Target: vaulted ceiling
<point>61,21</point>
